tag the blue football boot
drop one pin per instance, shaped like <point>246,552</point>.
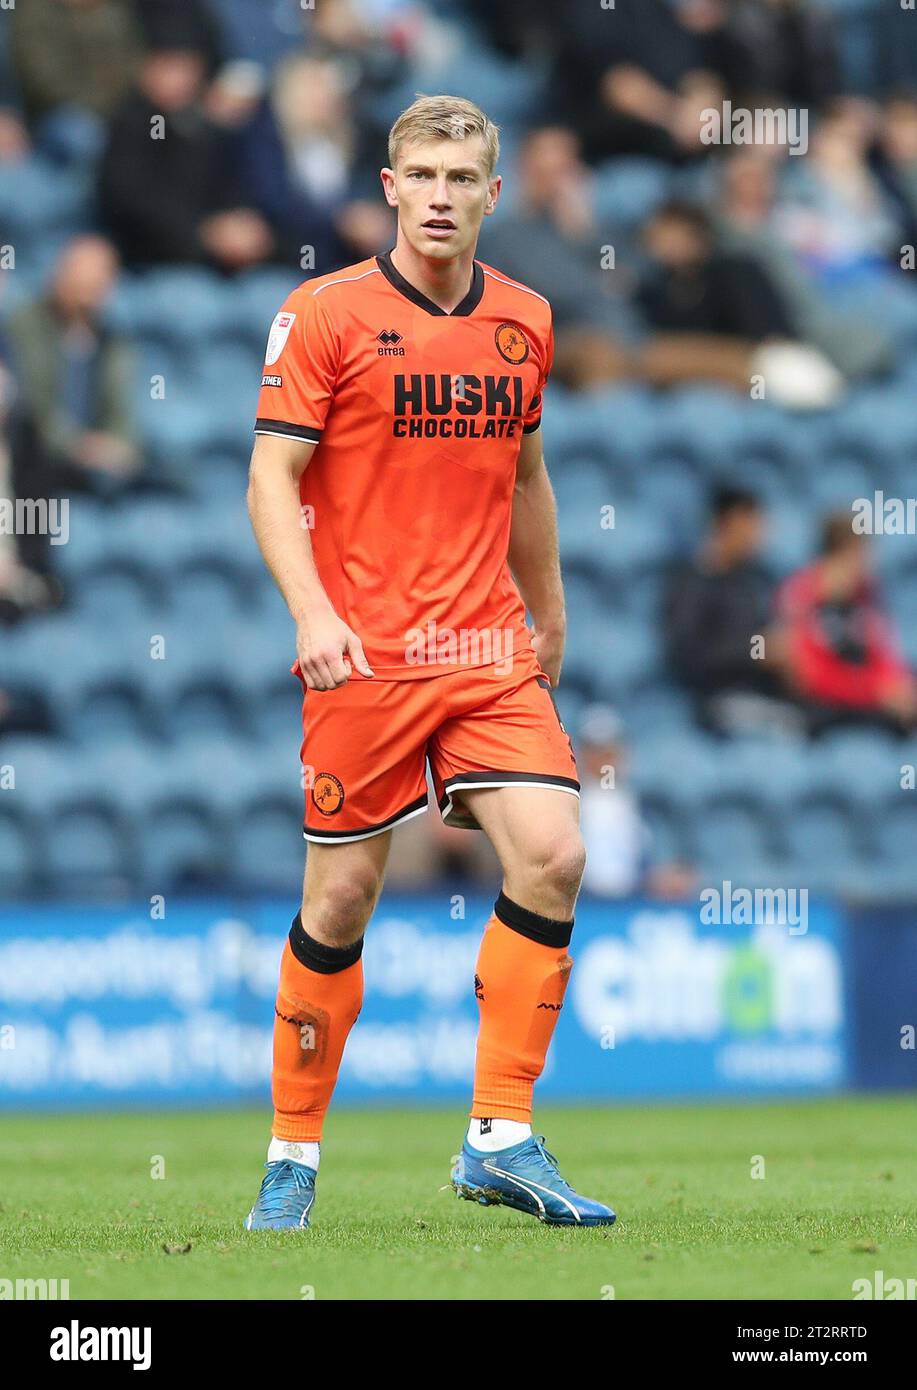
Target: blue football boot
<point>525,1176</point>
<point>286,1198</point>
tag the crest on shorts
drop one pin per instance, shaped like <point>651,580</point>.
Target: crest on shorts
<point>277,338</point>
<point>327,794</point>
<point>512,344</point>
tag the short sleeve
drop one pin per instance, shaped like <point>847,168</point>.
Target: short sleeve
<point>300,370</point>
<point>532,418</point>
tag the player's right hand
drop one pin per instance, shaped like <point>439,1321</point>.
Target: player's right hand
<point>328,652</point>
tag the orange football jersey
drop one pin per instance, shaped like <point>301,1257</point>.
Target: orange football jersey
<point>418,416</point>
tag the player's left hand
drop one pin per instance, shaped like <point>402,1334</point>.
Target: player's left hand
<point>549,648</point>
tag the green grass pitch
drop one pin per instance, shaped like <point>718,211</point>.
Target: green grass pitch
<point>838,1201</point>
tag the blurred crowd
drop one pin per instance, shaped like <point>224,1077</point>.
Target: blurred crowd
<point>753,262</point>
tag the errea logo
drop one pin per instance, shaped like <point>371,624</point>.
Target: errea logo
<point>390,338</point>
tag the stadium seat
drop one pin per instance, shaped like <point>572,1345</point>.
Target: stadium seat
<point>671,839</point>
<point>87,851</point>
<point>116,591</point>
<point>204,707</point>
<point>627,191</point>
<point>732,840</point>
<point>266,845</point>
<point>892,836</point>
<point>19,851</point>
<point>205,590</point>
<point>145,304</point>
<point>102,708</point>
<point>182,843</point>
<point>822,845</point>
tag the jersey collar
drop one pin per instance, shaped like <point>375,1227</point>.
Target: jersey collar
<point>397,281</point>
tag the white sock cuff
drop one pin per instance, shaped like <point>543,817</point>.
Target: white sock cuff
<point>489,1135</point>
<point>298,1150</point>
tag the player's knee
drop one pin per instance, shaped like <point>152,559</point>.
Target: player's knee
<point>560,864</point>
<point>568,862</point>
<point>340,909</point>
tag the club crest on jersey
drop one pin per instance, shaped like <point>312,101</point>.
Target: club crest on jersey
<point>327,794</point>
<point>277,338</point>
<point>512,344</point>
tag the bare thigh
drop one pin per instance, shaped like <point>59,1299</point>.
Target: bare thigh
<point>535,832</point>
<point>341,887</point>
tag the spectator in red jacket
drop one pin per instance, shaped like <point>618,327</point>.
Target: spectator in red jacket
<point>841,654</point>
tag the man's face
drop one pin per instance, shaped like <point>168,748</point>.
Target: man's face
<point>550,158</point>
<point>743,531</point>
<point>172,80</point>
<point>442,192</point>
<point>85,275</point>
<point>675,243</point>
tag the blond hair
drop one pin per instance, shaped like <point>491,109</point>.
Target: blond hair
<point>444,118</point>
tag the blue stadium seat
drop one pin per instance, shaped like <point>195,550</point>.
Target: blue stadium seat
<point>823,845</point>
<point>181,843</point>
<point>101,708</point>
<point>892,837</point>
<point>277,705</point>
<point>676,768</point>
<point>229,378</point>
<point>790,537</point>
<point>257,297</point>
<point>767,773</point>
<point>148,304</point>
<point>267,849</point>
<point>38,201</point>
<point>621,656</point>
<point>206,590</point>
<point>115,592</point>
<point>641,535</point>
<point>674,491</point>
<point>655,710</point>
<point>217,476</point>
<point>179,429</point>
<point>87,849</point>
<point>875,422</point>
<point>203,708</point>
<point>856,766</point>
<point>624,418</point>
<point>19,849</point>
<point>705,425</point>
<point>671,838</point>
<point>89,536</point>
<point>732,841</point>
<point>627,191</point>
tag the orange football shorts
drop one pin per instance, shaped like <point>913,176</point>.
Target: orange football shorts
<point>366,746</point>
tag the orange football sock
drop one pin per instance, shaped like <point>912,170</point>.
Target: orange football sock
<point>321,990</point>
<point>522,973</point>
